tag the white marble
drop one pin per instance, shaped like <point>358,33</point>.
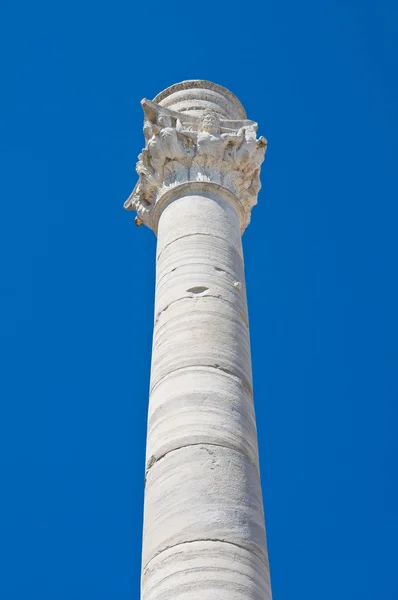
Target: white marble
<point>206,570</point>
<point>191,138</point>
<point>204,532</point>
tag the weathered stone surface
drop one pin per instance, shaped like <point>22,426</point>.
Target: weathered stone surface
<point>195,96</point>
<point>203,492</point>
<point>201,317</point>
<point>206,570</point>
<point>197,131</point>
<point>204,532</point>
<point>200,405</point>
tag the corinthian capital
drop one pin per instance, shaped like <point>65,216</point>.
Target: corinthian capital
<point>207,139</point>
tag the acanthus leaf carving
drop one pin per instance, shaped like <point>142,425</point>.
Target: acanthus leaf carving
<point>181,148</point>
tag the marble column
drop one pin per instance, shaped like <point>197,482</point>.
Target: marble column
<point>204,532</point>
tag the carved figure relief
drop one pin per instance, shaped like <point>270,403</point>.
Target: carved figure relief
<point>181,148</point>
<point>209,140</point>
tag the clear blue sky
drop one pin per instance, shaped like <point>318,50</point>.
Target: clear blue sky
<point>77,284</point>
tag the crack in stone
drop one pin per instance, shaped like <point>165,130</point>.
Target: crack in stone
<point>243,381</point>
<point>154,460</point>
<point>190,235</point>
<point>206,264</point>
<point>216,296</point>
<point>245,384</point>
<point>210,540</point>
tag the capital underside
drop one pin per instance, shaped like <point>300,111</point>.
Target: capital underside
<point>196,144</point>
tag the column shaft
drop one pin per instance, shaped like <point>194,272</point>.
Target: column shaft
<point>204,535</point>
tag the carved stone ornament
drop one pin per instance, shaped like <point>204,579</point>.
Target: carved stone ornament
<point>196,146</point>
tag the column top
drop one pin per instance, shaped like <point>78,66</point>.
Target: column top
<point>196,132</point>
<point>194,96</point>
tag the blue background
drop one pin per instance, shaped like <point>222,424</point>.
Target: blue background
<point>77,284</point>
